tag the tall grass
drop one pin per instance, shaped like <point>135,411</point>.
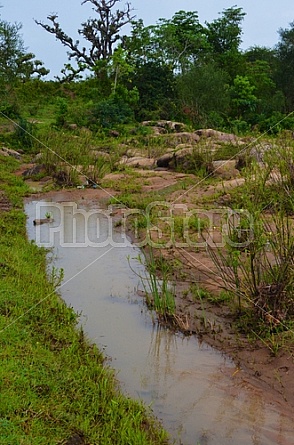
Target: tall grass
<point>259,269</point>
<point>157,285</point>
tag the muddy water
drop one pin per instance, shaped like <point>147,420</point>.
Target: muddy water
<point>191,387</point>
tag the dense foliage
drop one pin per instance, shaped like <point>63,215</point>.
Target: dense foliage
<point>178,68</point>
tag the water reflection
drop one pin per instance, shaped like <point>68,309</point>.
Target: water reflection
<point>191,387</point>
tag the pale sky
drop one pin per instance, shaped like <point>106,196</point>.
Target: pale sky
<point>260,26</point>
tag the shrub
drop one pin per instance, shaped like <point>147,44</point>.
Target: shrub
<point>23,135</point>
<point>110,112</point>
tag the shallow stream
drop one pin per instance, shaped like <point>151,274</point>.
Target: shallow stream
<point>190,386</point>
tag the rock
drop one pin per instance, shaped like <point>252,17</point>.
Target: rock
<point>62,178</point>
<point>183,153</point>
<point>174,126</point>
<point>38,157</point>
<point>165,160</point>
<point>161,169</point>
<point>139,161</point>
<point>38,222</point>
<point>258,151</point>
<point>176,157</point>
<point>225,200</point>
<point>132,153</point>
<point>38,169</point>
<point>10,152</point>
<point>176,139</point>
<point>168,125</point>
<point>100,154</point>
<point>219,135</point>
<point>188,137</point>
<point>114,133</point>
<point>158,131</point>
<point>224,169</point>
<point>72,126</point>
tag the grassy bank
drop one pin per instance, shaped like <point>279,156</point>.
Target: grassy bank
<point>55,388</point>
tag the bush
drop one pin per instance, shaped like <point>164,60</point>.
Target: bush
<point>110,112</point>
<point>10,110</point>
<point>23,135</point>
<point>61,113</point>
<point>276,123</point>
<point>239,127</point>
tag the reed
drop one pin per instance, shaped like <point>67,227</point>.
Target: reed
<point>158,288</point>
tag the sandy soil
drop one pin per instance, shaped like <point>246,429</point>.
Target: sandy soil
<point>214,323</point>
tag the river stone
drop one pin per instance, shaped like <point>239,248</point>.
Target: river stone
<point>176,139</point>
<point>224,169</point>
<point>183,153</point>
<point>165,160</point>
<point>140,162</point>
<point>168,125</point>
<point>259,151</point>
<point>176,157</point>
<point>72,126</point>
<point>219,135</point>
<point>38,157</point>
<point>100,154</point>
<point>10,152</point>
<point>157,131</point>
<point>133,153</point>
<point>38,169</point>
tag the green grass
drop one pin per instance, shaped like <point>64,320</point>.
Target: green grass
<point>54,383</point>
<point>159,290</point>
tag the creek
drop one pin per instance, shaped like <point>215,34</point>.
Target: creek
<point>190,386</point>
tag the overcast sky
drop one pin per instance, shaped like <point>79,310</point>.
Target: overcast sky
<point>260,26</point>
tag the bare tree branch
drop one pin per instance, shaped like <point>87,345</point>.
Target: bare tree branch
<point>101,33</point>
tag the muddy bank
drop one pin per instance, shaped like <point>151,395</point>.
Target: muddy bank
<point>191,386</point>
<point>214,323</point>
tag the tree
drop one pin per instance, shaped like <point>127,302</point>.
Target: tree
<point>180,39</point>
<point>270,99</point>
<point>255,53</point>
<point>100,33</point>
<point>155,85</point>
<point>224,38</point>
<point>203,93</point>
<point>285,75</point>
<point>15,62</point>
<point>177,42</point>
<point>243,98</point>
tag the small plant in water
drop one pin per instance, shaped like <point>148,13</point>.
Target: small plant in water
<point>56,277</point>
<point>159,292</point>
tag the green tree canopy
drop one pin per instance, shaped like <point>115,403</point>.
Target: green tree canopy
<point>224,38</point>
<point>285,74</point>
<point>203,93</point>
<point>15,61</point>
<point>177,42</point>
